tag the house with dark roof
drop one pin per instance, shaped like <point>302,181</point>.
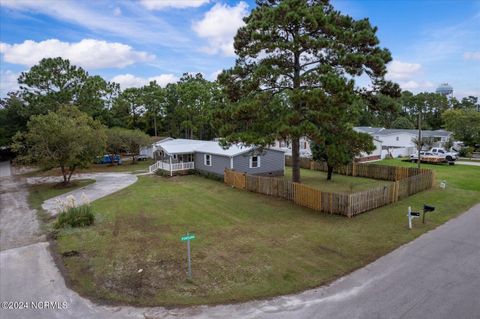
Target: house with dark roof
<point>177,155</point>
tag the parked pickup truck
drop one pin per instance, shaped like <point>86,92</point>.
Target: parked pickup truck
<point>435,155</point>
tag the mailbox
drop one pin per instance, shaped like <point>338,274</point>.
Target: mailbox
<point>426,209</point>
<point>416,214</point>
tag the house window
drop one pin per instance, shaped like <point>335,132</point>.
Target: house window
<point>398,138</point>
<point>208,160</point>
<point>254,161</point>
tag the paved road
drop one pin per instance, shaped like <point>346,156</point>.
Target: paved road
<point>436,276</point>
<point>468,163</point>
<point>5,170</point>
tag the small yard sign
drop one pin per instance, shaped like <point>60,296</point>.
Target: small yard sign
<point>189,236</point>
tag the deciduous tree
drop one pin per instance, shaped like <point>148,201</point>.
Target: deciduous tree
<point>68,139</point>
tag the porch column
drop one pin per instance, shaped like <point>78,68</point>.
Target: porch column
<point>171,173</point>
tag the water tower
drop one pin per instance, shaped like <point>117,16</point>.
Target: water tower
<point>445,89</point>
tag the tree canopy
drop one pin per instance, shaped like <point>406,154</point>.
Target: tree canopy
<point>465,125</point>
<point>296,56</point>
<point>68,139</point>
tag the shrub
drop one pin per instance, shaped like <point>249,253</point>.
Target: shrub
<point>80,216</point>
<point>209,175</point>
<point>466,151</point>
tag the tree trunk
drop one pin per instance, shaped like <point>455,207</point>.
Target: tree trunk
<point>64,174</point>
<point>297,107</point>
<point>72,169</point>
<point>155,123</point>
<point>329,172</point>
<point>295,160</point>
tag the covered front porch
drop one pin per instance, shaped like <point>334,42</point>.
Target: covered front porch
<point>173,162</point>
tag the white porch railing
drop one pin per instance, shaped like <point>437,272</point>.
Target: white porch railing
<point>182,166</point>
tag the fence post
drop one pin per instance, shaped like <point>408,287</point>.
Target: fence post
<point>349,206</point>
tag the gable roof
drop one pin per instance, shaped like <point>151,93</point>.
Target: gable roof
<point>186,146</point>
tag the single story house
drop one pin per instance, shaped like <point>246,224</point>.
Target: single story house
<point>375,155</point>
<point>175,155</point>
<point>286,147</point>
<point>399,142</point>
<point>306,152</point>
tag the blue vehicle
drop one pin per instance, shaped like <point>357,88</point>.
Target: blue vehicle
<point>107,159</point>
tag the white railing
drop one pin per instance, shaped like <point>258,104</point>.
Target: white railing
<point>182,166</point>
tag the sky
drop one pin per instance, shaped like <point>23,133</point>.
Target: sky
<point>134,42</point>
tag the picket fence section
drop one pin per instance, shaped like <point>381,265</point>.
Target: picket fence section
<point>405,182</point>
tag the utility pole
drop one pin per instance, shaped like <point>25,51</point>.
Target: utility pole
<point>419,144</point>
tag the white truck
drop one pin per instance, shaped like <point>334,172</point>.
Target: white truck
<point>436,155</point>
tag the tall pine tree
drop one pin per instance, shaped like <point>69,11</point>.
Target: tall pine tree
<point>294,55</point>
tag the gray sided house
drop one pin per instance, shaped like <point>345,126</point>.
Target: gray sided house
<point>176,155</point>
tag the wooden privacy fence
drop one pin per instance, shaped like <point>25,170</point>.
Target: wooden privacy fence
<point>375,171</point>
<point>347,204</point>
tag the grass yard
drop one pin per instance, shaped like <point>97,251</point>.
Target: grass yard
<point>126,167</point>
<point>248,245</point>
<point>338,184</point>
<point>41,192</point>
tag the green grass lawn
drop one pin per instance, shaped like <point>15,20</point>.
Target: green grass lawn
<point>338,183</point>
<point>248,245</point>
<point>126,167</point>
<point>41,192</point>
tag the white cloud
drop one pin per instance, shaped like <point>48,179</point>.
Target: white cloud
<point>475,55</point>
<point>180,4</point>
<point>214,75</point>
<point>398,70</point>
<point>8,82</point>
<point>88,53</point>
<point>416,86</point>
<point>117,11</point>
<point>139,26</point>
<point>219,26</point>
<point>129,80</point>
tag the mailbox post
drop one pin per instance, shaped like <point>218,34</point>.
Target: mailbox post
<point>411,215</point>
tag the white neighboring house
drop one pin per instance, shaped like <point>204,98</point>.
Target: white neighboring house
<point>286,147</point>
<point>399,142</point>
<point>374,155</point>
<point>305,150</point>
<point>149,151</point>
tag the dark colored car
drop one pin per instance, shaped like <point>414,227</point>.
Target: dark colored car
<point>107,159</point>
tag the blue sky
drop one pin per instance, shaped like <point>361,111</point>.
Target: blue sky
<point>133,42</point>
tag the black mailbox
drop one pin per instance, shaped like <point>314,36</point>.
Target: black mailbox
<point>426,209</point>
<point>417,214</point>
